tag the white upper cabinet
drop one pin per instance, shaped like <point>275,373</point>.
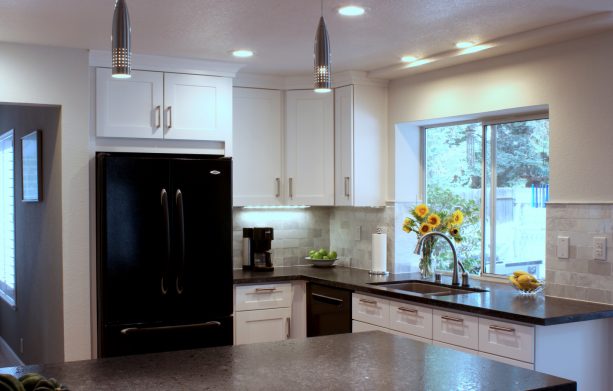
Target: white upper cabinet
<point>197,107</point>
<point>257,147</point>
<point>309,148</point>
<point>158,105</point>
<point>360,145</point>
<point>129,108</point>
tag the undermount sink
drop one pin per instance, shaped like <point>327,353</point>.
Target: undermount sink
<point>427,288</point>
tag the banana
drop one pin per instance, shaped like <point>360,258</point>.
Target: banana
<point>12,382</point>
<point>518,273</point>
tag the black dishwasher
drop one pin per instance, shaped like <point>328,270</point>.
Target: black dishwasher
<point>328,310</point>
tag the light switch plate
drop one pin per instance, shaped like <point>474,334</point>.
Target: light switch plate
<point>563,242</point>
<point>600,248</point>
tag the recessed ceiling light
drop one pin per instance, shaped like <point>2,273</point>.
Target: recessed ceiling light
<point>423,61</point>
<point>242,53</point>
<point>464,44</point>
<point>351,10</point>
<point>475,49</point>
<point>408,58</point>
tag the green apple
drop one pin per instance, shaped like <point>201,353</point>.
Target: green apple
<point>323,252</point>
<point>317,256</point>
<point>332,254</point>
<point>311,253</point>
<point>327,258</point>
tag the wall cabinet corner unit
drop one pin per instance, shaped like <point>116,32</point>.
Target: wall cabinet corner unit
<point>257,144</point>
<point>360,145</point>
<point>309,148</point>
<point>158,105</point>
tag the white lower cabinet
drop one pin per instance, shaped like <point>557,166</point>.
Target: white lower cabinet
<point>454,347</point>
<point>262,325</point>
<point>506,360</point>
<point>506,339</point>
<point>359,327</point>
<point>411,319</point>
<point>455,329</point>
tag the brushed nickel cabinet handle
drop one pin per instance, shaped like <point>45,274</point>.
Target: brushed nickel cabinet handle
<point>452,318</point>
<point>291,187</point>
<point>347,194</point>
<point>289,325</point>
<point>158,118</point>
<point>265,290</point>
<point>368,301</point>
<point>278,180</point>
<point>405,309</point>
<point>501,328</point>
<point>169,117</point>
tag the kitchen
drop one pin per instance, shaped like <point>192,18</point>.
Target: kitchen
<point>571,77</point>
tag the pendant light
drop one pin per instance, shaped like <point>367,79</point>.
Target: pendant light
<point>323,73</point>
<point>121,40</point>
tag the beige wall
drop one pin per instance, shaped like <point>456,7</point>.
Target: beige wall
<point>56,76</point>
<point>574,78</point>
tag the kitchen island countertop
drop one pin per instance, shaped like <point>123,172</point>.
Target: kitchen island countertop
<point>500,300</point>
<point>364,361</point>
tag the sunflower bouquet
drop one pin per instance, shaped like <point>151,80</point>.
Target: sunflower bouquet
<point>423,221</point>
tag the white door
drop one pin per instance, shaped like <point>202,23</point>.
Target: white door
<point>309,151</point>
<point>257,147</point>
<point>343,146</point>
<point>197,107</point>
<point>262,325</point>
<point>129,107</point>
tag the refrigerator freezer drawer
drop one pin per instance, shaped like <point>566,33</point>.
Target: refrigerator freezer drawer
<point>124,339</point>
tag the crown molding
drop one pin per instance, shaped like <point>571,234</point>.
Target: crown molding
<point>339,79</point>
<point>145,62</point>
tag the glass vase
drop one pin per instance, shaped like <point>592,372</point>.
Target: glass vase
<point>425,263</point>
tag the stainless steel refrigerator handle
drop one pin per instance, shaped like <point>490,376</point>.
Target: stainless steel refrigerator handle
<point>181,216</point>
<point>278,180</point>
<point>195,326</point>
<point>169,117</point>
<point>327,299</point>
<point>166,214</point>
<point>158,113</point>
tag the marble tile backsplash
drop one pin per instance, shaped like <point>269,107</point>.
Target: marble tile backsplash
<point>579,276</point>
<point>296,232</point>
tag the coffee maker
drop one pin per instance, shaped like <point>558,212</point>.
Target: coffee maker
<point>256,249</point>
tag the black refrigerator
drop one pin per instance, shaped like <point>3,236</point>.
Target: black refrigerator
<point>164,252</point>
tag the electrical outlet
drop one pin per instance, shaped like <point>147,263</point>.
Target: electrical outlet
<point>563,247</point>
<point>600,248</point>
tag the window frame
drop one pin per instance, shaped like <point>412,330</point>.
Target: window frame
<point>12,300</point>
<point>484,122</point>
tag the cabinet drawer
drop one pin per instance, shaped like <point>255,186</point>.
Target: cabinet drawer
<point>262,296</point>
<point>358,327</point>
<point>506,339</point>
<point>455,347</point>
<point>411,319</point>
<point>262,326</point>
<point>371,310</point>
<point>509,361</point>
<point>456,329</point>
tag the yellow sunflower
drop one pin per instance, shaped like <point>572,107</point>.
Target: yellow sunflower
<point>425,228</point>
<point>421,210</point>
<point>406,228</point>
<point>457,217</point>
<point>453,231</point>
<point>408,222</point>
<point>434,220</point>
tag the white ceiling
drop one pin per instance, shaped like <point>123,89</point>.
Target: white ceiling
<point>281,32</point>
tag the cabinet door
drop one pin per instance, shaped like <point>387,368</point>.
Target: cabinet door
<point>262,325</point>
<point>456,329</point>
<point>257,147</point>
<point>412,319</point>
<point>197,107</point>
<point>373,310</point>
<point>343,146</point>
<point>309,152</point>
<point>129,107</point>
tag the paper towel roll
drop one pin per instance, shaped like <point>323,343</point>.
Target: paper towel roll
<point>379,252</point>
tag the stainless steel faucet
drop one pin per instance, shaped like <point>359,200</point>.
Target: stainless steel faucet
<point>455,280</point>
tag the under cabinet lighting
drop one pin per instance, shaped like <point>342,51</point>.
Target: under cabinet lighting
<point>464,44</point>
<point>421,62</point>
<point>242,53</point>
<point>475,49</point>
<point>276,207</point>
<point>408,59</point>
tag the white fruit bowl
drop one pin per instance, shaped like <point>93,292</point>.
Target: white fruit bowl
<point>532,292</point>
<point>321,262</point>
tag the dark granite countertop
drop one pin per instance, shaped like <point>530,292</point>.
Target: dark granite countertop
<point>501,300</point>
<point>363,361</point>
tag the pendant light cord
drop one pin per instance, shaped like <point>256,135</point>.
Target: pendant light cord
<point>322,8</point>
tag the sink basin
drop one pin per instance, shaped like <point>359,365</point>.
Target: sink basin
<point>427,288</point>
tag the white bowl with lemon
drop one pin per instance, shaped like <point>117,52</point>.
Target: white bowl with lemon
<point>322,257</point>
<point>526,283</point>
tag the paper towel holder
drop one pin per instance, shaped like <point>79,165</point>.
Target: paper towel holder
<point>379,230</point>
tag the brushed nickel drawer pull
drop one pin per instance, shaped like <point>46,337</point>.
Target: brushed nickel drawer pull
<point>405,309</point>
<point>158,121</point>
<point>289,327</point>
<point>367,301</point>
<point>265,290</point>
<point>347,186</point>
<point>452,318</point>
<point>501,328</point>
<point>291,187</point>
<point>278,181</point>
